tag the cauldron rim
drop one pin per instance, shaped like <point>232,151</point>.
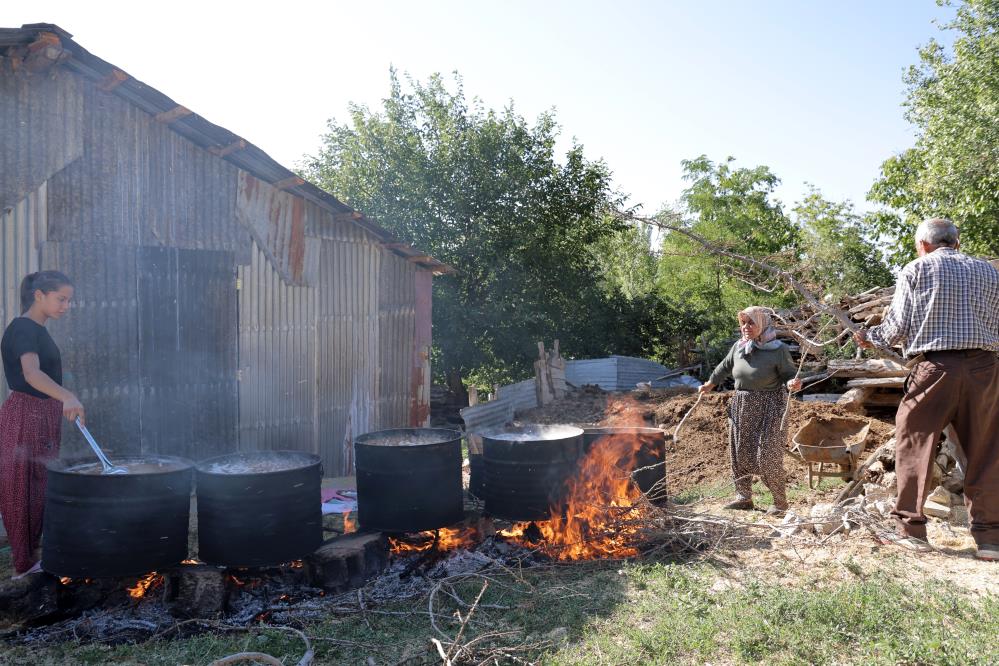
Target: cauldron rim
<point>64,465</point>
<point>624,430</point>
<point>533,433</point>
<point>446,435</point>
<point>313,459</point>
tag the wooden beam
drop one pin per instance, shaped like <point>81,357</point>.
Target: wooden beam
<point>867,368</point>
<point>288,183</point>
<point>222,151</point>
<point>892,382</point>
<point>397,246</point>
<point>174,114</point>
<point>112,80</point>
<point>419,258</point>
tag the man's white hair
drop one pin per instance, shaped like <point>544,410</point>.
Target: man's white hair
<point>937,231</point>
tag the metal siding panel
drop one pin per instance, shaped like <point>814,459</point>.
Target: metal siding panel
<point>397,316</point>
<point>277,360</point>
<point>140,183</point>
<point>277,221</point>
<point>99,342</point>
<point>40,129</point>
<point>347,337</point>
<point>187,351</point>
<point>21,229</point>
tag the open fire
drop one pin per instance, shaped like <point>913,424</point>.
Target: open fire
<point>601,518</point>
<point>151,580</point>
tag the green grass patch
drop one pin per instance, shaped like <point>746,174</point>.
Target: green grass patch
<point>681,617</point>
<point>761,494</point>
<point>623,613</point>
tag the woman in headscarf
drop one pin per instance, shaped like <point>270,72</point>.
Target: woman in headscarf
<point>763,371</point>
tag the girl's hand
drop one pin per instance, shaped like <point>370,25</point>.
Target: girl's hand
<point>794,384</point>
<point>71,409</point>
<point>705,387</point>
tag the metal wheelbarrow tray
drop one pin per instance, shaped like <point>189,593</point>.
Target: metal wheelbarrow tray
<point>831,441</point>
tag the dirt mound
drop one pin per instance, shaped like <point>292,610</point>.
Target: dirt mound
<point>700,456</point>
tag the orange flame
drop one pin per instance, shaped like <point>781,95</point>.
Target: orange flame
<point>602,510</point>
<point>65,580</point>
<point>296,564</point>
<point>188,561</point>
<point>348,524</point>
<point>446,539</point>
<point>144,584</point>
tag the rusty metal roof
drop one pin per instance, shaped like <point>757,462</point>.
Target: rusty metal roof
<point>38,46</point>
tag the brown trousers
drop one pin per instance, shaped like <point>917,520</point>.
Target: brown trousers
<point>959,387</point>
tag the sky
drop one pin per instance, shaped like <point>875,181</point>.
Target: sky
<point>811,89</point>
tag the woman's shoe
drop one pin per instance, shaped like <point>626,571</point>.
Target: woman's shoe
<point>740,505</point>
<point>35,568</point>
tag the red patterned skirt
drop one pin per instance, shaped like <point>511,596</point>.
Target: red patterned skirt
<point>29,437</point>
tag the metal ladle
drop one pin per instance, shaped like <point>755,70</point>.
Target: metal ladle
<point>105,463</point>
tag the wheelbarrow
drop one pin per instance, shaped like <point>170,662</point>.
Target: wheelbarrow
<point>830,446</point>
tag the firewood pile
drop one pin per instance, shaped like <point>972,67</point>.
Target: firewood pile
<point>871,384</point>
<point>805,323</point>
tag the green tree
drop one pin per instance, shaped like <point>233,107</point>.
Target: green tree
<point>483,191</point>
<point>953,169</point>
<point>837,254</point>
<point>731,207</point>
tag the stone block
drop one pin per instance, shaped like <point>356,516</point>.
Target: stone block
<point>936,510</point>
<point>26,599</point>
<point>196,591</point>
<point>890,481</point>
<point>826,518</point>
<point>348,561</point>
<point>940,495</point>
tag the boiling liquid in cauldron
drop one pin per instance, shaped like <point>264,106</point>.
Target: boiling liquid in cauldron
<point>252,465</point>
<point>404,440</point>
<point>136,467</point>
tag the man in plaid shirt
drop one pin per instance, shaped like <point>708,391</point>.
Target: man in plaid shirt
<point>946,311</point>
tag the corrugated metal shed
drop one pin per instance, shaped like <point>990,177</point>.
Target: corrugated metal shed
<point>22,228</point>
<point>221,301</point>
<point>615,373</point>
<point>522,395</point>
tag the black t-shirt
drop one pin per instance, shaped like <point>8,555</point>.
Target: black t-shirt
<point>24,336</point>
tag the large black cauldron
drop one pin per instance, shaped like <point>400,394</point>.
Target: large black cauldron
<point>100,525</point>
<point>527,469</point>
<point>408,479</point>
<point>259,509</point>
<point>641,449</point>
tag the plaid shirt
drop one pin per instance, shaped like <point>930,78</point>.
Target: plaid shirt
<point>944,300</point>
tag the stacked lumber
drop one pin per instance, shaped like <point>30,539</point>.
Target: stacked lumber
<point>865,309</point>
<point>873,383</point>
<point>549,374</point>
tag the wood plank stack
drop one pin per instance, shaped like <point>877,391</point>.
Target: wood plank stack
<point>873,384</point>
<point>549,374</point>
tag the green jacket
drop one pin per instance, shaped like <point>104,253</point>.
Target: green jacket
<point>762,370</point>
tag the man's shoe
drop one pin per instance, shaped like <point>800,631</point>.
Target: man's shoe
<point>988,552</point>
<point>740,505</point>
<point>776,512</point>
